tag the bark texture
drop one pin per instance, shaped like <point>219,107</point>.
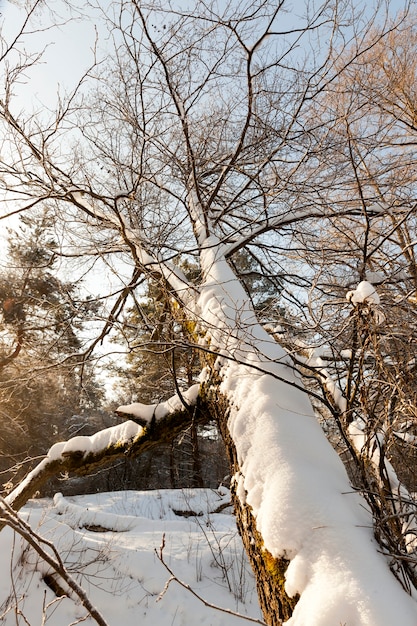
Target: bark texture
<point>269,572</point>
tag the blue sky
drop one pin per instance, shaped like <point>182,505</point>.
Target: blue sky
<point>69,47</point>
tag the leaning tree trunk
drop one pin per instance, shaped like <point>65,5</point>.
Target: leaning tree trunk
<point>269,572</point>
<point>308,535</point>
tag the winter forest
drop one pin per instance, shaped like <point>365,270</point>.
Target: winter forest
<point>208,312</point>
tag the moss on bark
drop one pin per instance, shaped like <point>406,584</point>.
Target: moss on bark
<point>269,571</point>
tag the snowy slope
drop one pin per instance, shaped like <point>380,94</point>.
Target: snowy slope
<point>108,542</point>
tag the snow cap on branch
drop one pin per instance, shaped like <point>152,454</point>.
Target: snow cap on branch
<point>144,413</point>
<point>101,440</point>
<point>364,292</point>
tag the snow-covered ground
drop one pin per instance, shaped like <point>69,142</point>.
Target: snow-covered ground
<point>110,543</point>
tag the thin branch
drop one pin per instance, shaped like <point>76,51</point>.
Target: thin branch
<point>173,577</point>
<point>14,521</point>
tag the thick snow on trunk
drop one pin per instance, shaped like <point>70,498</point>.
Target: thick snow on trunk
<point>290,475</point>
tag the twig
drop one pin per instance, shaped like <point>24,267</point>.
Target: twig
<point>173,577</point>
<point>15,522</point>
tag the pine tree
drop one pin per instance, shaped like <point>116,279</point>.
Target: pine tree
<point>40,387</point>
<point>159,350</point>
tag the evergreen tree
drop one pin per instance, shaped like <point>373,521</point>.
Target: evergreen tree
<point>40,386</point>
<point>160,349</point>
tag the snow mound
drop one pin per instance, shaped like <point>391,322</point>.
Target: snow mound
<point>110,541</point>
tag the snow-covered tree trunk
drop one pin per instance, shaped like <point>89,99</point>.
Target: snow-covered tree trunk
<point>308,534</point>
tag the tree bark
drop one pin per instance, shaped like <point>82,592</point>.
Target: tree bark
<point>269,572</point>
